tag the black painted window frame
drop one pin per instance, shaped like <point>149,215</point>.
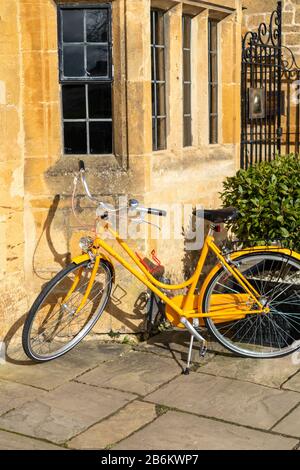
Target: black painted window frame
<point>158,143</point>
<point>213,81</point>
<point>187,84</point>
<point>85,80</point>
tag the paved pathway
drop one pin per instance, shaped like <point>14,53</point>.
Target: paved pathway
<point>116,396</point>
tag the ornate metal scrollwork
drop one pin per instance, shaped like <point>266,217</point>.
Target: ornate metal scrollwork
<point>266,35</point>
<point>289,63</point>
<point>270,90</point>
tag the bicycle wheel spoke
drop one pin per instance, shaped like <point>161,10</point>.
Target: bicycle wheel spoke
<point>274,332</point>
<point>58,326</point>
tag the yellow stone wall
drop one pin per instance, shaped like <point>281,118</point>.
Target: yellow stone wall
<point>257,12</point>
<point>38,232</point>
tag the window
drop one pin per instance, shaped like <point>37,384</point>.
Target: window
<point>86,78</point>
<point>159,117</point>
<point>187,81</point>
<point>213,80</point>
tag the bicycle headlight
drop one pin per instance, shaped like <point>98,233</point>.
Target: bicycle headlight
<point>86,244</point>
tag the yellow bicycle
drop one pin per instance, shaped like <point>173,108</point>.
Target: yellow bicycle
<point>249,302</point>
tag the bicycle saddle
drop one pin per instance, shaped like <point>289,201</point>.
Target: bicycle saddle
<point>219,216</point>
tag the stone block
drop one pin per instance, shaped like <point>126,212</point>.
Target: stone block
<point>137,373</point>
<point>230,400</point>
<point>51,375</point>
<point>290,425</point>
<point>11,441</point>
<point>65,412</point>
<point>253,370</point>
<point>126,421</point>
<point>14,395</point>
<point>203,434</point>
<point>293,383</point>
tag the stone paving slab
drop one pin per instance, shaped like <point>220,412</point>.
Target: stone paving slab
<point>65,412</point>
<point>129,419</point>
<point>175,345</point>
<point>271,373</point>
<point>230,400</point>
<point>13,395</point>
<point>291,424</point>
<point>189,432</point>
<point>52,374</point>
<point>11,441</point>
<point>293,383</point>
<point>138,372</point>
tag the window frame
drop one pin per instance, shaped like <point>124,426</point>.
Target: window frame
<point>213,116</point>
<point>85,81</point>
<point>77,6</point>
<point>155,117</point>
<point>187,139</point>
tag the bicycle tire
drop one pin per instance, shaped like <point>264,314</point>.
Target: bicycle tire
<point>26,342</point>
<point>211,324</point>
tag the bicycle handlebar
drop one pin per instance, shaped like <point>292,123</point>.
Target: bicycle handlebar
<point>158,212</point>
<point>136,206</point>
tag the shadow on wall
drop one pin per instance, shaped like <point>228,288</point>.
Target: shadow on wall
<point>121,290</point>
<point>62,259</point>
<point>12,340</point>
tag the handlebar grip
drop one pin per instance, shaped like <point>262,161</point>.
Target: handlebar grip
<point>81,165</point>
<point>158,212</point>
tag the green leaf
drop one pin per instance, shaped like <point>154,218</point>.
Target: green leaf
<point>268,198</point>
<point>284,232</point>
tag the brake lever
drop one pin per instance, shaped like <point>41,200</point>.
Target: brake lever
<point>141,220</point>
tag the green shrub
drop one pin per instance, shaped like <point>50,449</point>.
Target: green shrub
<point>268,198</point>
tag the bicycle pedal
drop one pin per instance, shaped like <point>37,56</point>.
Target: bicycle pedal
<point>203,351</point>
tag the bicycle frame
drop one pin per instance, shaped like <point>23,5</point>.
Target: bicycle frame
<point>188,309</point>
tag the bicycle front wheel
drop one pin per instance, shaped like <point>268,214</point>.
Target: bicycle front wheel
<point>276,278</point>
<point>61,316</point>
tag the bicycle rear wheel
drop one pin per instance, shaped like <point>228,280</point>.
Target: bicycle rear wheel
<point>60,318</point>
<point>276,277</point>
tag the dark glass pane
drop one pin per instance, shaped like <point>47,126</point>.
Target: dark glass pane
<point>159,27</point>
<point>213,138</point>
<point>100,137</point>
<point>100,101</point>
<point>214,99</point>
<point>152,26</point>
<point>187,131</point>
<point>161,134</point>
<point>213,67</point>
<point>97,25</point>
<point>73,61</point>
<point>161,99</point>
<point>97,61</point>
<point>72,25</point>
<point>152,63</point>
<point>187,32</point>
<point>213,29</point>
<point>74,105</point>
<point>187,66</point>
<point>160,63</point>
<point>187,99</point>
<point>154,134</point>
<point>153,99</point>
<point>75,137</point>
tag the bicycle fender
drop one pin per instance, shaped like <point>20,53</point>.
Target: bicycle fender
<point>258,249</point>
<point>80,259</point>
<point>238,254</point>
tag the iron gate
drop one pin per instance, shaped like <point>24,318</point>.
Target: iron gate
<point>270,88</point>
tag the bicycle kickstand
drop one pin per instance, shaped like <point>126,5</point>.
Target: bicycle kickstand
<point>194,334</point>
